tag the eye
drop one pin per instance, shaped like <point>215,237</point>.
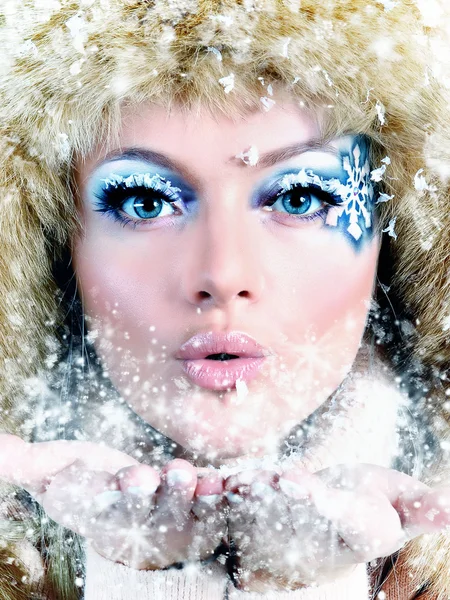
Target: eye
<point>147,206</point>
<point>139,198</point>
<point>300,200</point>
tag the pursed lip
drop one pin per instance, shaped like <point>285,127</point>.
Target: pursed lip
<point>238,343</point>
<point>206,372</point>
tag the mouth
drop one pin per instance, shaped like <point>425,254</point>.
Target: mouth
<point>221,356</point>
<point>217,361</point>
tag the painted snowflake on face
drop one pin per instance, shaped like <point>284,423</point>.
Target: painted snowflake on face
<point>352,192</point>
<point>355,210</point>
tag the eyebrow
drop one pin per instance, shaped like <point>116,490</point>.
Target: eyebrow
<point>268,159</point>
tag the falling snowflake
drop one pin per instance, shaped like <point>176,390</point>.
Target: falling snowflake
<point>267,103</point>
<point>216,52</point>
<point>77,28</point>
<point>225,20</point>
<point>28,48</point>
<point>421,184</point>
<point>377,174</point>
<point>388,4</point>
<point>63,145</point>
<point>284,51</point>
<point>327,78</point>
<point>250,156</point>
<point>390,228</point>
<point>381,111</point>
<point>76,67</point>
<point>241,389</point>
<point>227,82</point>
<point>446,323</point>
<point>426,244</point>
<point>383,198</point>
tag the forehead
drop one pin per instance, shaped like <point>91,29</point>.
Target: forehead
<point>194,136</point>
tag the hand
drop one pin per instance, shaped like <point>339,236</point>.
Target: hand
<point>131,513</point>
<point>301,528</point>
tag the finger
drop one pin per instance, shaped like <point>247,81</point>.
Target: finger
<point>151,529</point>
<point>420,508</point>
<point>367,523</point>
<point>315,540</point>
<point>301,484</point>
<point>138,485</point>
<point>341,525</point>
<point>175,494</point>
<point>371,483</point>
<point>124,530</point>
<point>209,506</point>
<point>425,511</point>
<point>32,466</point>
<point>258,516</point>
<point>76,497</point>
<point>245,479</point>
<point>209,482</point>
<point>138,480</point>
<point>208,497</point>
<point>366,476</point>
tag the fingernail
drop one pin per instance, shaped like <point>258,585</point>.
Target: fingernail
<point>175,477</point>
<point>210,499</point>
<point>234,498</point>
<point>141,490</point>
<point>292,489</point>
<point>106,499</point>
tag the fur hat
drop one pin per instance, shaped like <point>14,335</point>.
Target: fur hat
<point>376,68</point>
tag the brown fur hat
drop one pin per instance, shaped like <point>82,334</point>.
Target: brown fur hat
<point>373,67</point>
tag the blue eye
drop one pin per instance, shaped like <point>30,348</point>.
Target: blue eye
<point>147,206</point>
<point>301,201</point>
<point>298,201</point>
<point>138,198</point>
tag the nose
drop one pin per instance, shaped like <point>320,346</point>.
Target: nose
<point>222,265</point>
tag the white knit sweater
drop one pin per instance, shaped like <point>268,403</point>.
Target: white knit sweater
<point>110,581</point>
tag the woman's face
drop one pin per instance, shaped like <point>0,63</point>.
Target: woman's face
<point>226,269</point>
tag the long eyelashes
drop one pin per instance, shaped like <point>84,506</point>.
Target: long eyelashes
<point>301,195</point>
<point>147,196</point>
<point>154,182</point>
<point>114,199</point>
<point>142,198</point>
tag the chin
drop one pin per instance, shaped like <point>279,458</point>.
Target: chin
<point>220,451</point>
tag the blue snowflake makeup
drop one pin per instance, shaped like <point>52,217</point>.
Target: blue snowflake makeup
<point>139,197</point>
<point>350,192</point>
<point>339,192</point>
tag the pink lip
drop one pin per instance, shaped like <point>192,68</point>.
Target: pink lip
<point>220,375</point>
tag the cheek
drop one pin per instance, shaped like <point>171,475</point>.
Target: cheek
<point>324,282</point>
<point>324,309</point>
<point>312,285</point>
<point>118,279</point>
<point>342,288</point>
